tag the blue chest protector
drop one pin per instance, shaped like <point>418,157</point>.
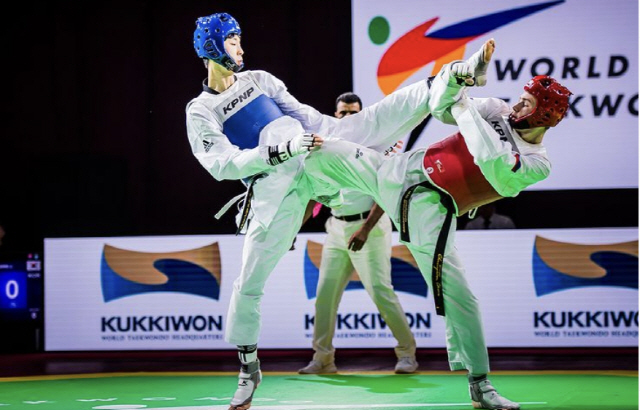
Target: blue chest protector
<point>243,128</point>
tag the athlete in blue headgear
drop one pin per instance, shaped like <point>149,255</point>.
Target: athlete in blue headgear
<point>246,126</point>
<point>210,36</point>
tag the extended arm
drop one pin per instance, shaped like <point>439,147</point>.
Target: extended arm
<point>445,91</point>
<point>224,160</point>
<point>378,126</point>
<point>509,172</point>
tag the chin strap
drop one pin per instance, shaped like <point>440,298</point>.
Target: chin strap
<point>519,125</point>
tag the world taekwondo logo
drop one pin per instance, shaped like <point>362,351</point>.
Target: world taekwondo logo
<point>128,273</point>
<point>417,48</point>
<point>559,266</point>
<point>405,275</point>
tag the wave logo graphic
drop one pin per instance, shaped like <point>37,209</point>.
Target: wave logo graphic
<point>559,266</point>
<point>417,48</point>
<point>405,275</point>
<point>128,273</point>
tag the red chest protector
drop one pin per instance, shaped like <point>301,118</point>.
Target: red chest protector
<point>450,166</point>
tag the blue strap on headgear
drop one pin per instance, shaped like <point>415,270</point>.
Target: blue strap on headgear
<point>209,36</point>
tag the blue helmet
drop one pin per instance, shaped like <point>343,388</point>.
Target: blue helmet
<point>209,36</point>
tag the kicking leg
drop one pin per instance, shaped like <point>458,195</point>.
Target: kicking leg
<point>479,62</point>
<point>343,164</point>
<point>382,124</point>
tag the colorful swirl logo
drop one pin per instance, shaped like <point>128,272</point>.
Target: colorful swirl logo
<point>559,266</point>
<point>417,48</point>
<point>128,273</point>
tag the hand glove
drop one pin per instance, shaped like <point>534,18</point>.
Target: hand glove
<point>300,144</point>
<point>463,72</point>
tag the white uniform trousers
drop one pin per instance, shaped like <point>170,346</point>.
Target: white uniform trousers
<point>263,249</point>
<point>373,265</point>
<point>268,240</point>
<point>342,164</point>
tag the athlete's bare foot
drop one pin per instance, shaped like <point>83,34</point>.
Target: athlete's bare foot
<point>487,50</point>
<point>474,70</point>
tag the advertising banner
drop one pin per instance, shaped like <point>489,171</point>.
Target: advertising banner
<point>536,288</point>
<point>589,46</point>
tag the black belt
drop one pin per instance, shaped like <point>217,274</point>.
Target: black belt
<point>351,218</point>
<point>246,203</point>
<point>438,254</point>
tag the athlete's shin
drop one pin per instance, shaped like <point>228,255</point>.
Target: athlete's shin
<point>248,354</point>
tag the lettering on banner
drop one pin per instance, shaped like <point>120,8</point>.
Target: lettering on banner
<point>161,328</point>
<point>372,325</point>
<point>580,324</point>
<point>575,68</point>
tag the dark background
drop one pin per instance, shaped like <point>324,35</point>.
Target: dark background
<point>94,139</point>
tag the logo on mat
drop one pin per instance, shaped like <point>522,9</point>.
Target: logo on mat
<point>417,48</point>
<point>559,266</point>
<point>128,273</point>
<point>405,275</point>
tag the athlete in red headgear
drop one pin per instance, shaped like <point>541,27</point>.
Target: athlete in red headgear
<point>498,152</point>
<point>552,104</point>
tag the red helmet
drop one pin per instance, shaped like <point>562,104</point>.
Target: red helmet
<point>552,102</point>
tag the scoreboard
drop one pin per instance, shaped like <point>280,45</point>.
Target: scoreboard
<point>21,301</point>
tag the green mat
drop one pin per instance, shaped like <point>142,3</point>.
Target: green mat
<point>283,391</point>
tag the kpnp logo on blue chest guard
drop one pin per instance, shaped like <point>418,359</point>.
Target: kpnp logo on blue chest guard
<point>239,99</point>
<point>245,113</point>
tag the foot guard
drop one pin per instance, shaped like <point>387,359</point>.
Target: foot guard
<point>248,381</point>
<point>484,396</point>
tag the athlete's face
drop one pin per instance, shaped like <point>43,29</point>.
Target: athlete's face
<point>343,109</point>
<point>232,45</point>
<point>525,106</point>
